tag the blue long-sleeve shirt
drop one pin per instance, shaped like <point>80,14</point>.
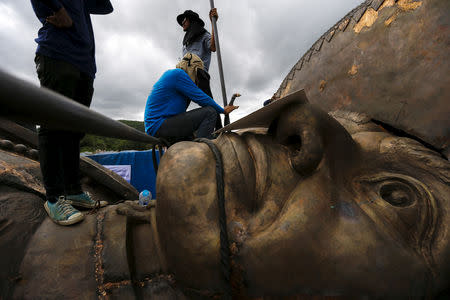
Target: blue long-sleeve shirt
<point>170,96</point>
<point>74,45</point>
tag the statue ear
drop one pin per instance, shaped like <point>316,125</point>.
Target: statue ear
<point>298,130</point>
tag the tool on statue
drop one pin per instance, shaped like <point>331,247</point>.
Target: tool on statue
<point>227,117</point>
<point>234,98</point>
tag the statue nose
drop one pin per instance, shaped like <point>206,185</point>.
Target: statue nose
<point>310,134</point>
<point>299,130</point>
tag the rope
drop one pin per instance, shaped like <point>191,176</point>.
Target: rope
<point>225,253</point>
<point>159,252</point>
<point>161,143</point>
<point>224,242</point>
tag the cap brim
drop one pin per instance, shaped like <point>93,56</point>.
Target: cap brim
<point>182,16</point>
<point>263,117</point>
<point>180,19</point>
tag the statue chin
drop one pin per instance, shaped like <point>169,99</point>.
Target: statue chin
<point>317,205</point>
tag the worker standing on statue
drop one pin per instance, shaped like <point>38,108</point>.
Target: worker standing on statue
<point>65,63</point>
<point>197,39</point>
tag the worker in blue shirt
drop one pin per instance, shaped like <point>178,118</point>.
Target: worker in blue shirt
<point>165,111</point>
<point>65,63</point>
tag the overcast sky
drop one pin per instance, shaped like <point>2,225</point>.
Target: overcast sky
<point>260,42</point>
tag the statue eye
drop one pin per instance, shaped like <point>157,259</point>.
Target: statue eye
<point>397,193</point>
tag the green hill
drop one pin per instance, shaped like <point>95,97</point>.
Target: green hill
<point>93,143</point>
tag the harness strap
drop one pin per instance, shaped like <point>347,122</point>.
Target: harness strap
<point>224,242</point>
<point>161,143</point>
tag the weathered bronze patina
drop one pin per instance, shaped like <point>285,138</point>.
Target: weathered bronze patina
<point>388,59</point>
<point>322,205</point>
<point>322,201</point>
<point>314,207</point>
<point>317,206</point>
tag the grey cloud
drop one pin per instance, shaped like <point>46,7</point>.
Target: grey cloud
<point>260,42</point>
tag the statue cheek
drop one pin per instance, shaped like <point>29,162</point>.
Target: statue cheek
<point>187,212</point>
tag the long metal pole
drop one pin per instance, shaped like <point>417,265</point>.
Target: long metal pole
<point>20,100</point>
<point>219,61</point>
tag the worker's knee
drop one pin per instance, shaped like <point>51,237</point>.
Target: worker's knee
<point>210,113</point>
<point>211,110</point>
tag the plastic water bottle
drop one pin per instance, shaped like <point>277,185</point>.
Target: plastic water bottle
<point>144,197</point>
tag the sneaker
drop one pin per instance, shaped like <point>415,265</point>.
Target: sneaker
<point>62,212</point>
<point>84,200</point>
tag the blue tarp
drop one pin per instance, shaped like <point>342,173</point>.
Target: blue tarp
<point>142,172</point>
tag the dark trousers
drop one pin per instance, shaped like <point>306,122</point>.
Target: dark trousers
<point>59,151</point>
<point>203,79</point>
<point>182,127</point>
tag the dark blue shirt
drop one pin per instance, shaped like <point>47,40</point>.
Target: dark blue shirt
<point>170,96</point>
<point>74,45</point>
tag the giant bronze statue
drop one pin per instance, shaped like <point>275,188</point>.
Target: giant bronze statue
<point>310,197</point>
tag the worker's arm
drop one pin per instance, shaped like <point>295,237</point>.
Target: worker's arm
<point>213,13</point>
<point>60,17</point>
<point>187,87</point>
<point>99,7</point>
<point>54,5</point>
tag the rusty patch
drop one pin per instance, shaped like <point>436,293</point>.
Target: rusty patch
<point>358,13</point>
<point>343,102</point>
<point>322,85</point>
<point>344,24</point>
<point>387,3</point>
<point>407,5</point>
<point>286,89</point>
<point>363,45</point>
<point>367,20</point>
<point>392,18</point>
<point>98,252</point>
<point>330,35</point>
<point>353,70</point>
<point>114,285</point>
<point>169,278</point>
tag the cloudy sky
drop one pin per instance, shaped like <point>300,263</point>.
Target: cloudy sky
<point>260,42</point>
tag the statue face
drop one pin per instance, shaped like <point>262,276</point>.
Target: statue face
<point>310,208</point>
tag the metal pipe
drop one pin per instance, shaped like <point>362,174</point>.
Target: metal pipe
<point>22,100</point>
<point>219,62</point>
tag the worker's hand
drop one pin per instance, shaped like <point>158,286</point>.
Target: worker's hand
<point>230,108</point>
<point>60,19</point>
<point>213,13</point>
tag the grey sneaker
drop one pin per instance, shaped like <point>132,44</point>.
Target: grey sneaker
<point>62,212</point>
<point>84,200</point>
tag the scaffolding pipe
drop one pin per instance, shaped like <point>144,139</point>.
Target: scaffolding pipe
<point>219,62</point>
<point>21,100</point>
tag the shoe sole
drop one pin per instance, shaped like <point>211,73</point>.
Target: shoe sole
<point>84,205</point>
<point>66,222</point>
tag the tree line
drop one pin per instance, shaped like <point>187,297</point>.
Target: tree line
<point>93,143</point>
